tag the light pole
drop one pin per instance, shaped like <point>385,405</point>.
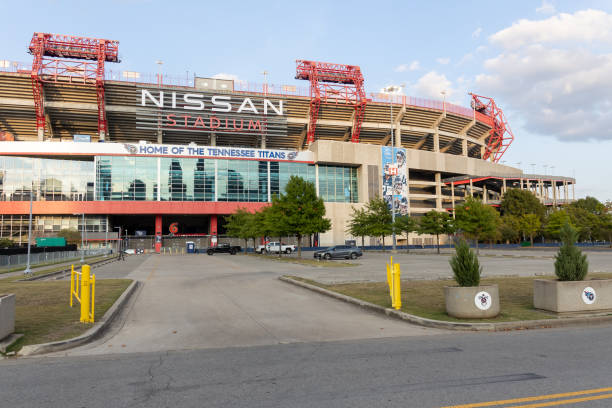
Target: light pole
<point>391,90</point>
<point>27,270</point>
<point>444,101</point>
<point>119,240</point>
<point>106,235</point>
<point>265,86</point>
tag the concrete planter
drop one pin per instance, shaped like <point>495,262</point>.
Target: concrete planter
<point>572,296</point>
<point>7,315</point>
<point>472,302</point>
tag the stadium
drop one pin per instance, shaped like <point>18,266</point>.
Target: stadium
<point>163,159</point>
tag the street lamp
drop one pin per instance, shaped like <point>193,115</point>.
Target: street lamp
<point>106,236</point>
<point>82,237</point>
<point>119,241</point>
<point>265,85</point>
<point>27,270</point>
<point>391,90</point>
<point>444,101</point>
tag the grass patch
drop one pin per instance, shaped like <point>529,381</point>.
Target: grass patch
<point>43,313</point>
<point>303,261</point>
<point>93,258</point>
<point>426,298</point>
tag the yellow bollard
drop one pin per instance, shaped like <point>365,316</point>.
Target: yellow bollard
<point>71,283</point>
<point>93,298</point>
<point>85,293</point>
<point>389,281</point>
<point>397,292</point>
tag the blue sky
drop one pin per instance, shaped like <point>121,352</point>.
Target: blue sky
<point>548,64</point>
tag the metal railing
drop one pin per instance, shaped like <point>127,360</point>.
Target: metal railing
<point>188,80</point>
<point>43,257</point>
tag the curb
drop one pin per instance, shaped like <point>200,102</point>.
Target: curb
<point>457,326</point>
<point>63,272</point>
<point>93,333</point>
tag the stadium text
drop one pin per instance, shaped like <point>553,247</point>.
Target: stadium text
<point>219,103</point>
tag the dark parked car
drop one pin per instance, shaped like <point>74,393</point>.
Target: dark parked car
<point>224,248</point>
<point>339,251</point>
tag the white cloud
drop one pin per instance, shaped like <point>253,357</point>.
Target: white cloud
<point>413,66</point>
<point>583,26</point>
<point>556,83</point>
<point>443,61</point>
<point>546,8</point>
<point>477,32</point>
<point>431,85</point>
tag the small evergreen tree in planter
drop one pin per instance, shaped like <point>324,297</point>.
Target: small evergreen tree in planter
<point>469,300</point>
<point>465,265</point>
<point>570,263</point>
<point>571,292</point>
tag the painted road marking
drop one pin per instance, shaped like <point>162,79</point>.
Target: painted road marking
<point>543,397</point>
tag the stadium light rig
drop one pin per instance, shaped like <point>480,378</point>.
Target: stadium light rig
<point>501,136</point>
<point>62,50</point>
<point>336,82</point>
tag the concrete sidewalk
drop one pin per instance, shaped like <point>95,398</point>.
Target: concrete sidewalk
<point>190,302</point>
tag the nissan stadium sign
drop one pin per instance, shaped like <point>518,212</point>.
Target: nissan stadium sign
<point>46,149</point>
<point>205,112</point>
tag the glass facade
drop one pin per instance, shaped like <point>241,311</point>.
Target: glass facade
<point>338,184</point>
<point>183,179</point>
<point>54,180</point>
<point>126,178</point>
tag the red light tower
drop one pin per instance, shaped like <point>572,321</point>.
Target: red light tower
<point>59,69</point>
<point>501,136</point>
<point>338,82</point>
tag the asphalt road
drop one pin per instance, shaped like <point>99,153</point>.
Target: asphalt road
<point>200,301</point>
<point>222,331</point>
<point>433,371</point>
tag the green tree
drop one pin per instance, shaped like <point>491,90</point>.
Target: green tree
<point>530,224</point>
<point>554,222</point>
<point>465,265</point>
<point>379,218</point>
<point>303,213</point>
<point>586,223</point>
<point>275,221</point>
<point>518,202</point>
<point>72,236</point>
<point>359,224</point>
<point>477,220</point>
<point>406,224</point>
<point>509,229</point>
<point>237,225</point>
<point>605,227</point>
<point>436,223</point>
<point>570,263</point>
<point>590,204</point>
<point>6,243</point>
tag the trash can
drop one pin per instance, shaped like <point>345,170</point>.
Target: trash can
<point>190,247</point>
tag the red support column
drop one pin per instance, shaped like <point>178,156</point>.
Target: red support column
<point>158,233</point>
<point>213,230</point>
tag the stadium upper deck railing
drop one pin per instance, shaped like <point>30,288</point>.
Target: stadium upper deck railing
<point>188,80</point>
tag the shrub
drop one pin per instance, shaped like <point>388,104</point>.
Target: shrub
<point>570,263</point>
<point>465,265</point>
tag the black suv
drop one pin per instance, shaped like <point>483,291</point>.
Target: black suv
<point>339,251</point>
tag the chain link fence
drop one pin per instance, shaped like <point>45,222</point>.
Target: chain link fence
<point>43,257</point>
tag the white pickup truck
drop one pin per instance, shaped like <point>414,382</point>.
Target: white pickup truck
<point>275,247</point>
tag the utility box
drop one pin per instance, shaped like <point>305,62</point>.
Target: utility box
<point>190,247</point>
<point>7,315</point>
